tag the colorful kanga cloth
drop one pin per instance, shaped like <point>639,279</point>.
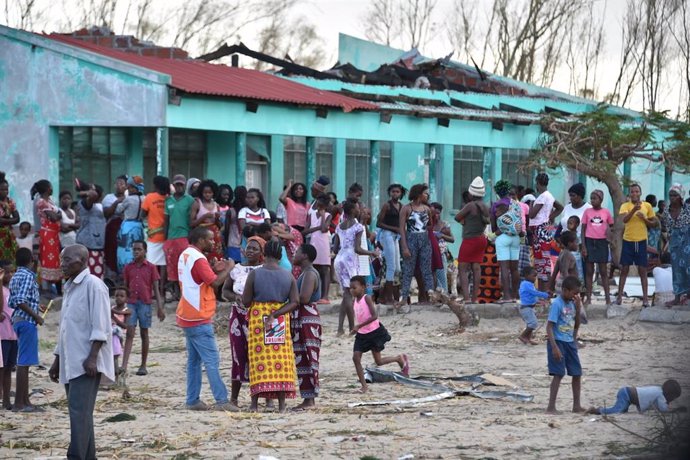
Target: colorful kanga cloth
<point>8,242</point>
<point>305,326</point>
<point>271,357</point>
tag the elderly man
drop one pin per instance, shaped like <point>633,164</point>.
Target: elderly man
<point>84,351</point>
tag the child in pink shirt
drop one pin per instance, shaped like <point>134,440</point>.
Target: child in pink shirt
<point>596,222</point>
<point>370,335</point>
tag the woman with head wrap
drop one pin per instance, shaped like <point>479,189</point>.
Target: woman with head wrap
<point>132,228</point>
<point>506,223</point>
<point>677,219</point>
<point>238,325</point>
<point>596,224</point>
<point>192,186</point>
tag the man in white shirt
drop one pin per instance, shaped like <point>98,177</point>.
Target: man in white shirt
<point>84,351</point>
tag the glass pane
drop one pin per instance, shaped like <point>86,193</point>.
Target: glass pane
<point>468,163</point>
<point>295,159</point>
<point>511,159</point>
<point>324,157</point>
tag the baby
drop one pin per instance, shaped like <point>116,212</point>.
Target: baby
<point>644,398</point>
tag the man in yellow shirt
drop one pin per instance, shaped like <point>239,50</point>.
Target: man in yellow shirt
<point>638,216</point>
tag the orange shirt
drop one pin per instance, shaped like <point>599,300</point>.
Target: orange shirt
<point>154,205</point>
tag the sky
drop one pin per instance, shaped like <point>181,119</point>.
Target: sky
<point>332,17</point>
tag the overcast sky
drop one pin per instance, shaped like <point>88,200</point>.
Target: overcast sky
<point>334,16</point>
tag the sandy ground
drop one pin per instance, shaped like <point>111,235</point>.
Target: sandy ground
<point>618,352</point>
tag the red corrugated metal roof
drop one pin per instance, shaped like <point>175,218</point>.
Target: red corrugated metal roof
<point>199,77</point>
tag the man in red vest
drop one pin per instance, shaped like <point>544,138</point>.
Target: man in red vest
<point>195,311</point>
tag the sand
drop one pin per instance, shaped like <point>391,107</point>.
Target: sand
<point>618,352</point>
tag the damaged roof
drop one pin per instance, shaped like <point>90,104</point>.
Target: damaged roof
<point>198,77</point>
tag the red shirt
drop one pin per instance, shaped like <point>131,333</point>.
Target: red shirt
<point>139,279</point>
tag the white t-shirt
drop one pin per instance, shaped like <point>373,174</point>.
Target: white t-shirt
<point>651,396</point>
<point>254,217</point>
<point>569,211</point>
<point>663,279</point>
<point>547,200</point>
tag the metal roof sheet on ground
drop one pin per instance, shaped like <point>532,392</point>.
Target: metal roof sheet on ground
<point>198,77</point>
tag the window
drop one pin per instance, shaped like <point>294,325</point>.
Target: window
<point>357,164</point>
<point>511,159</point>
<point>95,155</point>
<point>295,159</point>
<point>324,157</point>
<point>186,153</point>
<point>468,163</point>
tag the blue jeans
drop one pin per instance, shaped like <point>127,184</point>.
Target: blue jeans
<point>202,348</point>
<point>391,251</point>
<point>441,279</point>
<point>622,403</point>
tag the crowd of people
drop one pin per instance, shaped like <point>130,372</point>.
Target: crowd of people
<point>193,241</point>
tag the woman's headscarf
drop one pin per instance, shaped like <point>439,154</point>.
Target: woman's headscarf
<point>190,182</point>
<point>137,182</point>
<point>261,243</point>
<point>502,188</point>
<point>578,189</point>
<point>599,193</point>
<point>678,188</point>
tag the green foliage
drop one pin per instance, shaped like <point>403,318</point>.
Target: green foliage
<point>599,142</point>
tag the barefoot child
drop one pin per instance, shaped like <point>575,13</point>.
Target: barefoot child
<point>561,349</point>
<point>657,397</point>
<point>7,335</point>
<point>119,314</point>
<point>566,265</point>
<point>24,299</point>
<point>370,335</point>
<point>141,278</point>
<point>528,299</point>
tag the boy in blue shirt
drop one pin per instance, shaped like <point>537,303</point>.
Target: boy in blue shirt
<point>561,349</point>
<point>528,299</point>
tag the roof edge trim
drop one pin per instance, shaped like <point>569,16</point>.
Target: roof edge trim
<point>85,55</point>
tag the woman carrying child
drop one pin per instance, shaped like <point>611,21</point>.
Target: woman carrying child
<point>370,335</point>
<point>132,227</point>
<point>206,213</point>
<point>233,289</point>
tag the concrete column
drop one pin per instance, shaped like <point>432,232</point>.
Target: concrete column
<point>310,157</point>
<point>240,158</point>
<point>162,163</point>
<point>53,173</point>
<point>276,168</point>
<point>338,184</point>
<point>668,182</point>
<point>444,180</point>
<point>374,176</point>
<point>135,151</point>
<point>627,171</point>
<point>488,171</point>
<point>433,153</point>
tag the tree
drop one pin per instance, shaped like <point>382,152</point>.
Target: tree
<point>403,23</point>
<point>598,143</point>
<point>298,39</point>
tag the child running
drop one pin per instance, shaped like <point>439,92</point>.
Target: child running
<point>644,398</point>
<point>119,314</point>
<point>7,334</point>
<point>141,278</point>
<point>561,349</point>
<point>528,299</point>
<point>370,335</point>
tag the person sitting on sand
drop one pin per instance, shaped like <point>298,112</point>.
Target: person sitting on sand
<point>528,299</point>
<point>370,335</point>
<point>561,349</point>
<point>647,397</point>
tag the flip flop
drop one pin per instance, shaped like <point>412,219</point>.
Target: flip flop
<point>406,366</point>
<point>142,371</point>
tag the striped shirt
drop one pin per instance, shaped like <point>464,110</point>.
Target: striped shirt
<point>23,290</point>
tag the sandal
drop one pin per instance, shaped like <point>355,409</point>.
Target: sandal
<point>142,371</point>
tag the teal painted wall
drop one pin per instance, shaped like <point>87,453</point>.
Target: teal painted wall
<point>220,160</point>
